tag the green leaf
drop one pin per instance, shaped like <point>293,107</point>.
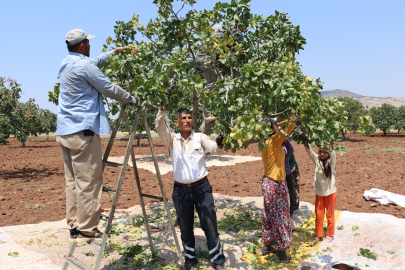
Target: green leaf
<point>368,254</point>
<point>14,254</point>
<point>340,150</point>
<point>355,227</point>
<point>390,251</point>
<point>251,248</point>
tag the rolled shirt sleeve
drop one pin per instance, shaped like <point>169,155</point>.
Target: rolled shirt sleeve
<point>162,130</point>
<point>210,145</point>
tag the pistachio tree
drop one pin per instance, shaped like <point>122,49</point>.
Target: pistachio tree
<point>384,117</point>
<point>400,118</point>
<point>253,59</point>
<point>20,119</point>
<point>358,118</point>
<point>48,122</point>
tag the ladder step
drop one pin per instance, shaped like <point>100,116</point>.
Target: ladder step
<point>113,164</point>
<point>78,264</point>
<point>104,217</point>
<point>153,197</point>
<point>107,189</point>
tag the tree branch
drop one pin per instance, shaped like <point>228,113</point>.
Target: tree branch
<point>280,129</point>
<point>153,107</point>
<point>180,9</point>
<point>206,128</point>
<point>187,36</point>
<point>280,113</point>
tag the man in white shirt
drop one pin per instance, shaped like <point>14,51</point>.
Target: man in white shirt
<point>191,186</point>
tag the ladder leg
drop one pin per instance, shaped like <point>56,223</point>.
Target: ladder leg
<point>70,253</point>
<point>114,134</point>
<point>169,215</point>
<point>138,186</point>
<point>117,193</point>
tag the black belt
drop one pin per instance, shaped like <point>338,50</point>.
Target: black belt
<point>88,132</point>
<point>197,183</point>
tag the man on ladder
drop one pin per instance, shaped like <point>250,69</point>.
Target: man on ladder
<point>191,186</point>
<point>81,119</point>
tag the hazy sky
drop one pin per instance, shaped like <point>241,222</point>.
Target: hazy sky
<point>352,45</point>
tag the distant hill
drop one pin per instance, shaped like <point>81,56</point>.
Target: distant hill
<point>367,101</point>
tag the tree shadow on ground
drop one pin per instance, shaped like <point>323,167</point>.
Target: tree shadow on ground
<point>32,146</point>
<point>30,173</point>
<point>389,135</point>
<point>348,139</point>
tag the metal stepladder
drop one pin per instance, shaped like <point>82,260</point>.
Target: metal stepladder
<point>109,218</point>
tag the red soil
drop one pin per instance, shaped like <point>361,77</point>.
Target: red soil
<point>32,177</point>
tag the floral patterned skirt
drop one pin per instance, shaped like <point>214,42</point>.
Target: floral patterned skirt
<point>276,222</point>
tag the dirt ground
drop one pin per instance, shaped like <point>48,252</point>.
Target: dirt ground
<point>32,177</point>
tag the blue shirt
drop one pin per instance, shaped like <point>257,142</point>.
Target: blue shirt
<point>82,85</point>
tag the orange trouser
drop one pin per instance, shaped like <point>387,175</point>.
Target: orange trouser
<point>322,202</point>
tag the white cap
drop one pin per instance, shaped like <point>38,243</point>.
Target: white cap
<point>77,35</point>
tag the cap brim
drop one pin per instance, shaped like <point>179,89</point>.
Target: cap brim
<point>90,36</point>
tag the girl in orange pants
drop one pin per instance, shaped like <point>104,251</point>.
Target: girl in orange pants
<point>328,202</point>
<point>325,189</point>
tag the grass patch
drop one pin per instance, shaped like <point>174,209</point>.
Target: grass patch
<point>368,147</point>
<point>239,218</point>
<point>396,150</point>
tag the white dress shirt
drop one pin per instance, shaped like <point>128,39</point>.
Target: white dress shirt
<point>188,156</point>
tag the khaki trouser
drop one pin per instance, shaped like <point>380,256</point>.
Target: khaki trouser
<point>83,173</point>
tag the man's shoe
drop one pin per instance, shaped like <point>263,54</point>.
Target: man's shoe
<point>73,235</point>
<point>219,266</point>
<point>96,237</point>
<point>189,263</point>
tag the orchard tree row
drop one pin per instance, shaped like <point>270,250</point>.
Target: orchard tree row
<point>364,120</point>
<point>388,117</point>
<point>21,119</point>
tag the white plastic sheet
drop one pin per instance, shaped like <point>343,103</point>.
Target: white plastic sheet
<point>384,197</point>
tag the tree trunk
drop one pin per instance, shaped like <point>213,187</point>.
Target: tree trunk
<point>47,136</point>
<point>343,133</point>
<point>206,128</point>
<point>195,111</point>
<point>23,143</point>
<point>385,133</point>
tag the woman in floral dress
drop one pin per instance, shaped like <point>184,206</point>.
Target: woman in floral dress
<point>276,223</point>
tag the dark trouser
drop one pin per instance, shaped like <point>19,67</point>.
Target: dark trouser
<point>200,197</point>
<point>291,191</point>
